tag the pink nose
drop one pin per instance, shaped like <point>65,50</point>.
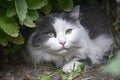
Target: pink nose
<point>63,43</point>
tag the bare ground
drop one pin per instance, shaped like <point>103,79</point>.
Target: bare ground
<point>29,72</point>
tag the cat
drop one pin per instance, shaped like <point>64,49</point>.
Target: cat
<point>62,39</point>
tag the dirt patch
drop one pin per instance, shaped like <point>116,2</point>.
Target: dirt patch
<point>29,72</point>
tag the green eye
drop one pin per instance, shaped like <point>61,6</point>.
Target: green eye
<point>69,31</point>
<point>51,34</point>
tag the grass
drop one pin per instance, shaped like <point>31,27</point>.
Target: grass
<point>56,71</point>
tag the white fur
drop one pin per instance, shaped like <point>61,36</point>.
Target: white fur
<point>104,42</point>
<point>72,65</point>
<point>78,45</point>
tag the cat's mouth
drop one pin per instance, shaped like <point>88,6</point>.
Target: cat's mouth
<point>62,49</point>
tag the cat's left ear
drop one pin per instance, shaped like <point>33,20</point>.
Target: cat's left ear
<point>75,12</point>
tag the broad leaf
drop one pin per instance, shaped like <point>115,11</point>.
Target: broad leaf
<point>118,1</point>
<point>10,12</point>
<point>36,4</point>
<point>6,4</point>
<point>9,25</point>
<point>11,49</point>
<point>21,9</point>
<point>28,22</point>
<point>114,66</point>
<point>3,41</point>
<point>33,14</point>
<point>17,40</point>
<point>66,5</point>
<point>3,38</point>
<point>47,9</point>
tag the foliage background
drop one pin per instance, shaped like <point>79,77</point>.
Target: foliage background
<point>17,14</point>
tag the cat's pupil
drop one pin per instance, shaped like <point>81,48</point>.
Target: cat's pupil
<point>69,31</point>
<point>51,34</point>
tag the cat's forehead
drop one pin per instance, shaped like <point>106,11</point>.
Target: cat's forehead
<point>56,22</point>
<point>60,17</point>
<point>61,24</point>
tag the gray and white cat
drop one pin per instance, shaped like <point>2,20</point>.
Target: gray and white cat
<point>60,38</point>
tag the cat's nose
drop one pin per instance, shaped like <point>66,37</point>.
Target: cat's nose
<point>63,43</point>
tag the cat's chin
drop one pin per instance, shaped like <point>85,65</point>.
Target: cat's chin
<point>62,51</point>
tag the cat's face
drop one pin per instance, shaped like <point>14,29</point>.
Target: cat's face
<point>58,33</point>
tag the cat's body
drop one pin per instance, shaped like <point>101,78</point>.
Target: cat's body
<point>60,38</point>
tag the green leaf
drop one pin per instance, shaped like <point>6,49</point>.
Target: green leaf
<point>63,76</point>
<point>17,40</point>
<point>28,22</point>
<point>36,4</point>
<point>3,41</point>
<point>45,78</point>
<point>9,25</point>
<point>82,67</point>
<point>47,9</point>
<point>11,49</point>
<point>33,14</point>
<point>74,73</point>
<point>117,25</point>
<point>21,9</point>
<point>6,4</point>
<point>66,5</point>
<point>114,66</point>
<point>118,1</point>
<point>10,12</point>
<point>3,38</point>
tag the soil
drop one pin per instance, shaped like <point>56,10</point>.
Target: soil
<point>29,72</point>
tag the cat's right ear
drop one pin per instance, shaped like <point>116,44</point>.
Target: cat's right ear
<point>75,12</point>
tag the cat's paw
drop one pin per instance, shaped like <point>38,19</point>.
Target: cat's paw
<point>96,59</point>
<point>69,67</point>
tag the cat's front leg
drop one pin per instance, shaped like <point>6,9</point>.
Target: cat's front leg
<point>71,66</point>
<point>96,59</point>
<point>96,55</point>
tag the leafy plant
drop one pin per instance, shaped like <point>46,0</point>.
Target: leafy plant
<point>113,67</point>
<point>118,1</point>
<point>17,14</point>
<point>9,53</point>
<point>69,76</point>
<point>117,25</point>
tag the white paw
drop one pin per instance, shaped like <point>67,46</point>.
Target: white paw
<point>69,67</point>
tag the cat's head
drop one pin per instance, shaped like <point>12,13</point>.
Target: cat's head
<point>58,33</point>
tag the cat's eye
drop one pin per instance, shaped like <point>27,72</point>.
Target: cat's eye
<point>51,34</point>
<point>69,31</point>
